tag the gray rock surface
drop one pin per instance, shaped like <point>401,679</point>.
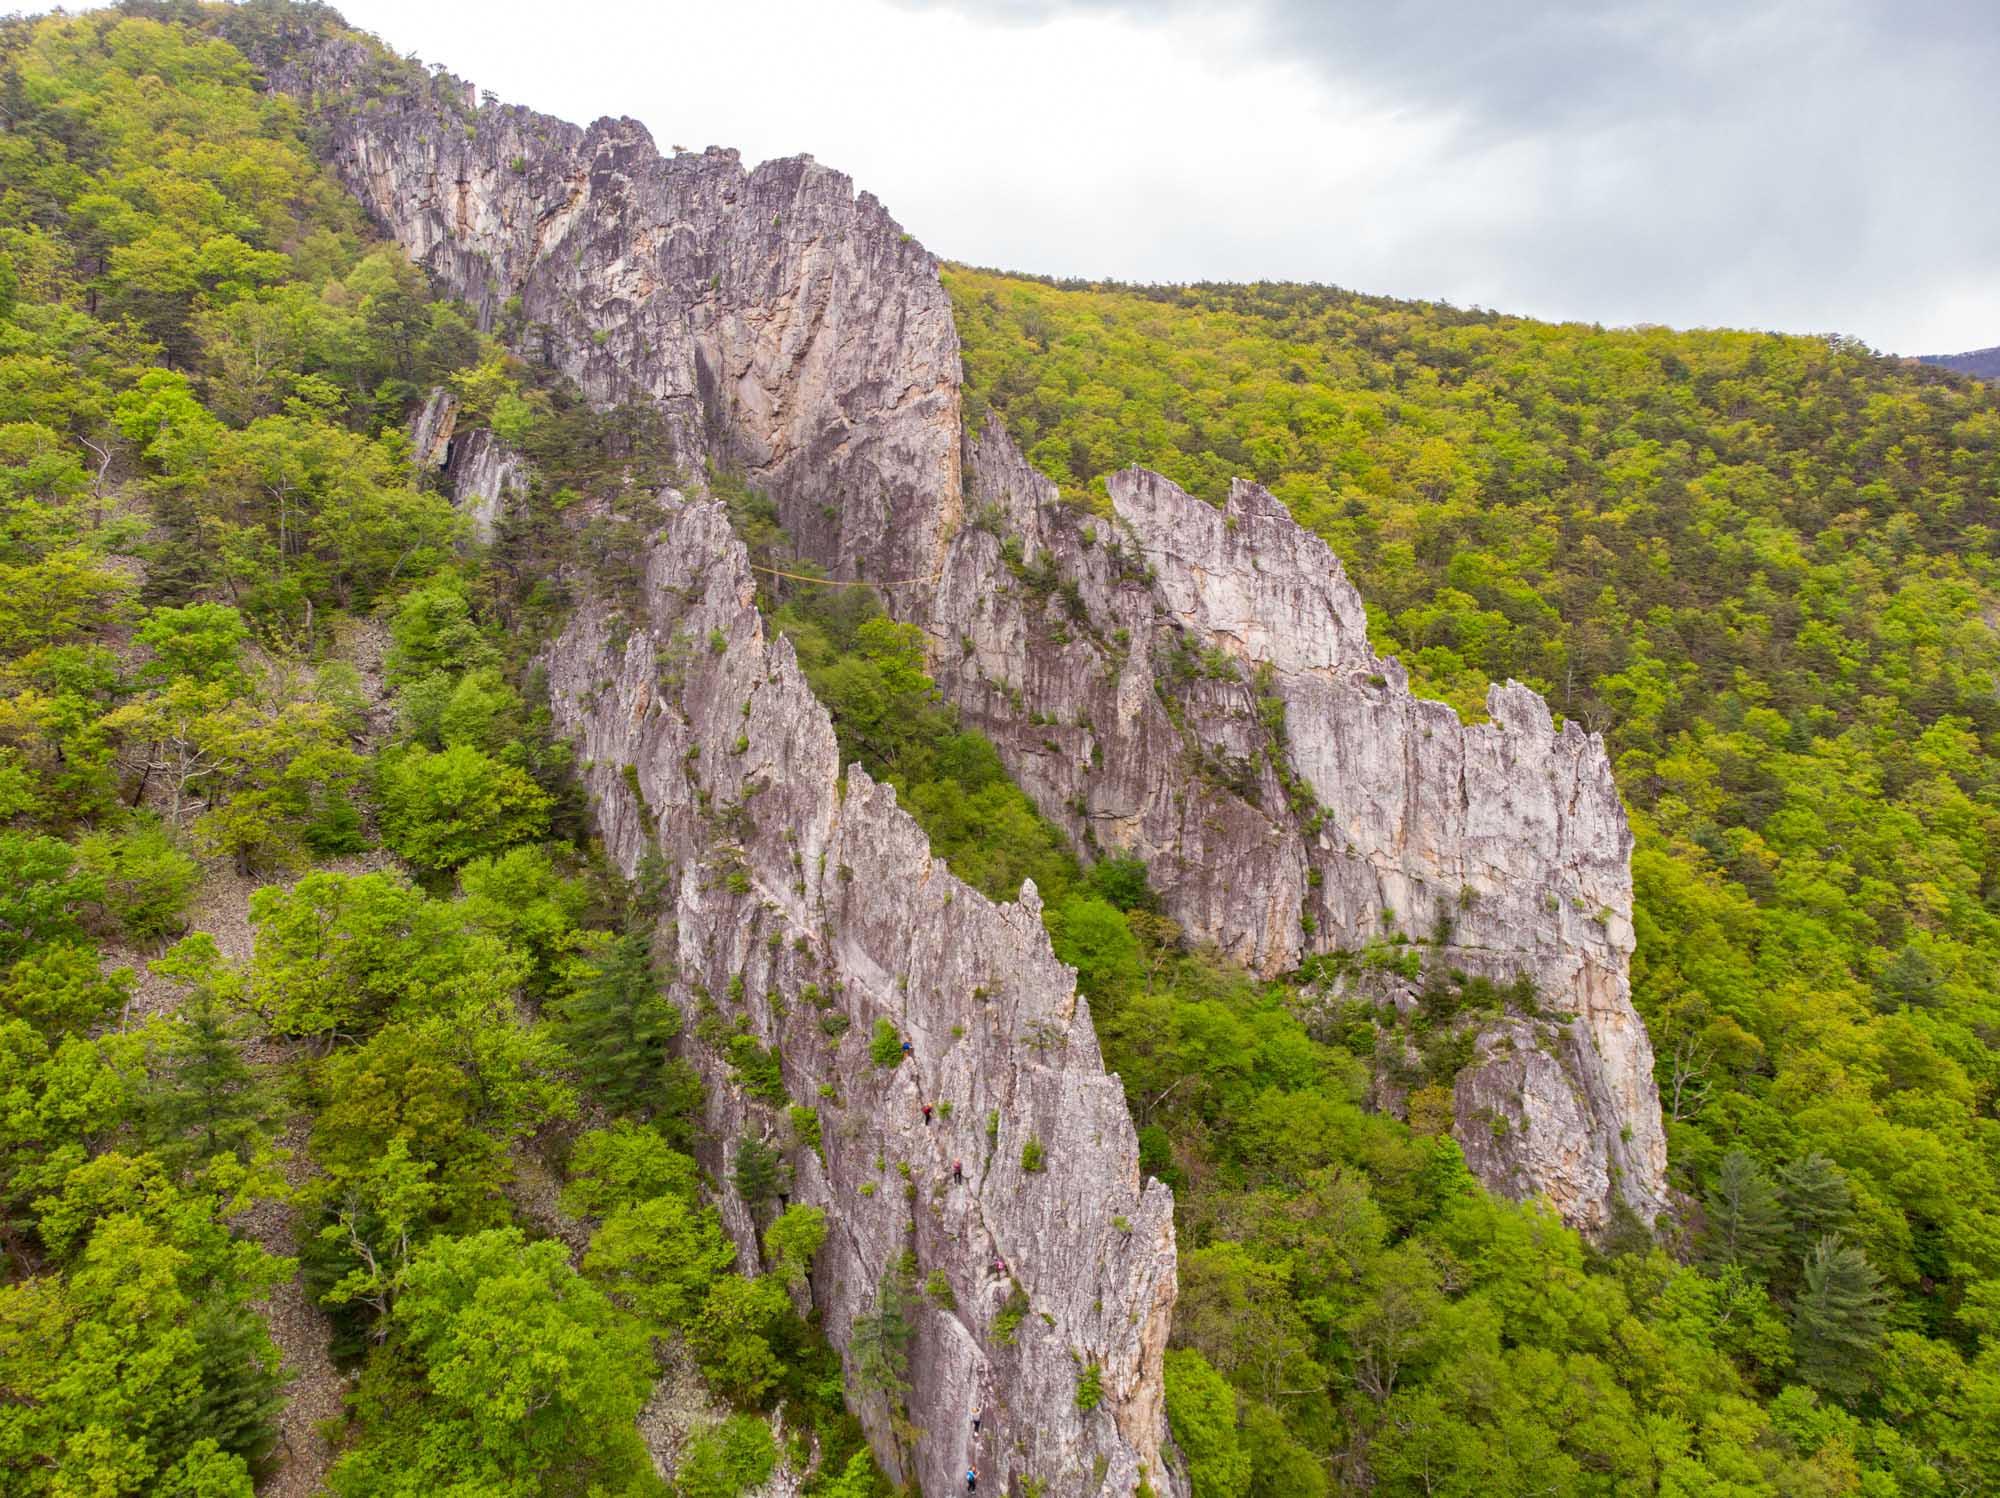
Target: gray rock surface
<point>1524,1117</point>
<point>432,431</point>
<point>1194,686</point>
<point>1504,843</point>
<point>805,908</point>
<point>481,473</point>
<point>783,324</point>
<point>786,326</point>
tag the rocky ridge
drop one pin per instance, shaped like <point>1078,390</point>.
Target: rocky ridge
<point>788,328</point>
<point>1194,686</point>
<point>806,908</point>
<point>781,323</point>
<point>1190,686</point>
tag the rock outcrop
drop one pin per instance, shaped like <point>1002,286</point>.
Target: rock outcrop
<point>481,473</point>
<point>781,323</point>
<point>1188,685</point>
<point>804,910</point>
<point>784,326</point>
<point>1194,686</point>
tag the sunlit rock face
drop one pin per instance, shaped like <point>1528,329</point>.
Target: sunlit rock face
<point>1193,685</point>
<point>784,324</point>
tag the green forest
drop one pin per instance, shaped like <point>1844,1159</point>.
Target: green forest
<point>1763,567</point>
<point>306,955</point>
<point>300,937</point>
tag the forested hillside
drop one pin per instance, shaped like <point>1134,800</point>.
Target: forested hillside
<point>1981,362</point>
<point>1763,567</point>
<point>344,1134</point>
<point>300,937</point>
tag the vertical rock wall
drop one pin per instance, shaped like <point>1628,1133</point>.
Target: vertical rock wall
<point>786,326</point>
<point>782,323</point>
<point>802,910</point>
<point>1503,843</point>
<point>1194,686</point>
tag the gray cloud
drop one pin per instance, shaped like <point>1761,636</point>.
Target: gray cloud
<point>1821,166</point>
<point>1525,66</point>
<point>1805,165</point>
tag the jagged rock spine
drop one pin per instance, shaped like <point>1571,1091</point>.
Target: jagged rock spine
<point>799,897</point>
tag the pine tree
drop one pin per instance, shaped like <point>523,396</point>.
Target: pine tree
<point>242,1385</point>
<point>617,1027</point>
<point>1746,1223</point>
<point>1816,1198</point>
<point>1837,1319</point>
<point>678,1103</point>
<point>881,1341</point>
<point>880,1346</point>
<point>758,1172</point>
<point>201,1099</point>
<point>1910,978</point>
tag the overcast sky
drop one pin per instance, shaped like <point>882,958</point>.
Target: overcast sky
<point>1806,165</point>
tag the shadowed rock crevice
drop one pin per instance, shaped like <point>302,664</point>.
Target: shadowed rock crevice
<point>480,473</point>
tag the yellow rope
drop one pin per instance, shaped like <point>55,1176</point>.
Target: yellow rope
<point>840,582</point>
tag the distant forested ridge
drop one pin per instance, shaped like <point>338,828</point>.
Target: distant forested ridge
<point>1981,363</point>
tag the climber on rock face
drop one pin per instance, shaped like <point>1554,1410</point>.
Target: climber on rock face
<point>971,1479</point>
<point>927,1115</point>
<point>999,1265</point>
<point>975,1419</point>
<point>958,1171</point>
<point>908,1049</point>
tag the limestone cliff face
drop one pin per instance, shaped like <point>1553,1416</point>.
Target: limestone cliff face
<point>782,323</point>
<point>479,471</point>
<point>1188,685</point>
<point>804,910</point>
<point>1194,685</point>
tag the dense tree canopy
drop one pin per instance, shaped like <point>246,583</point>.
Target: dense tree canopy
<point>209,533</point>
